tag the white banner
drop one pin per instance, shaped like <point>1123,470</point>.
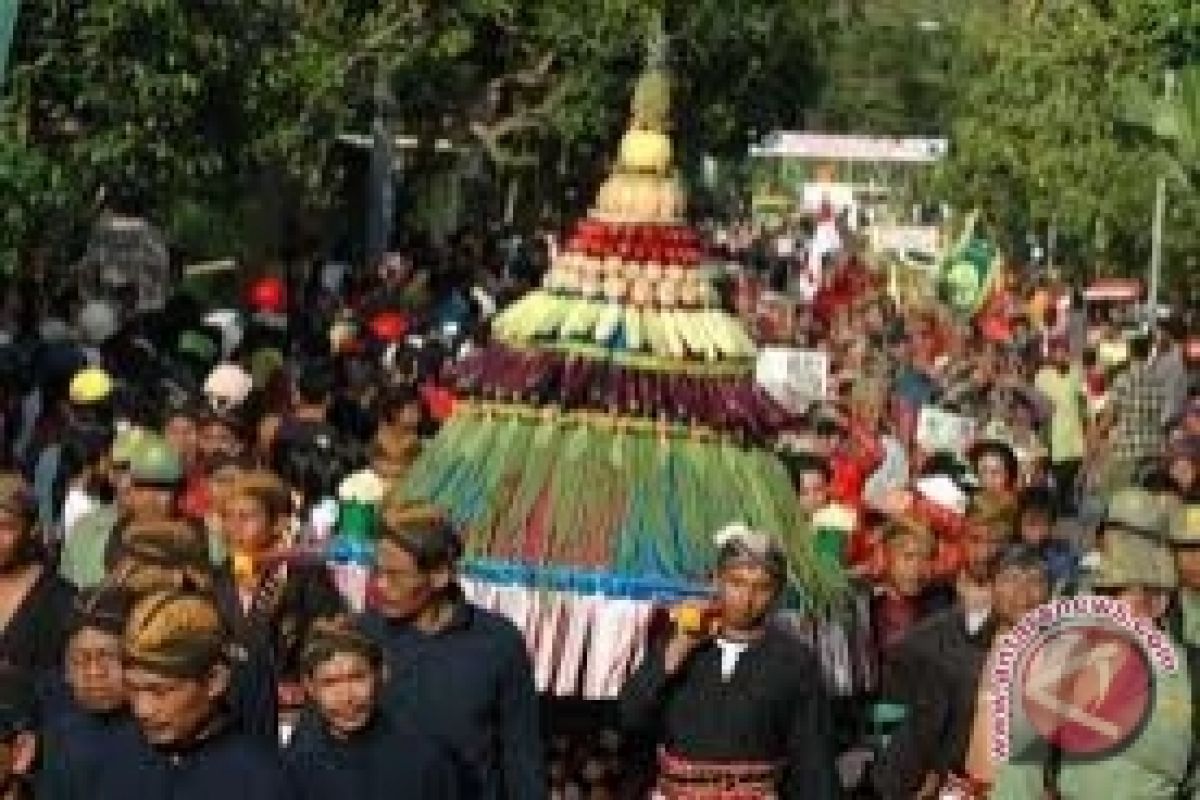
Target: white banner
<point>794,378</point>
<point>941,431</point>
<point>906,238</point>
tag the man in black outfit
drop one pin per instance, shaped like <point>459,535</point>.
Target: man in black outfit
<point>735,703</point>
<point>459,672</point>
<point>346,745</point>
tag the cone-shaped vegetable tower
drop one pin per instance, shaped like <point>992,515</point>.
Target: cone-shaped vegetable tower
<point>614,423</point>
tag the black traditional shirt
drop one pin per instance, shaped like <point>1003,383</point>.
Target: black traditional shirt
<point>772,707</point>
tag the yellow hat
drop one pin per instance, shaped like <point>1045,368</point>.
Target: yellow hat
<point>90,385</point>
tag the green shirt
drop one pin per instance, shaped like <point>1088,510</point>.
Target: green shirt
<point>83,555</point>
<point>1151,767</point>
<point>1066,396</point>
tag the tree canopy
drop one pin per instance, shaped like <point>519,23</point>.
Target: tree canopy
<point>219,120</point>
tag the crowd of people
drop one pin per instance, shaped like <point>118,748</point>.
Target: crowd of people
<point>209,587</point>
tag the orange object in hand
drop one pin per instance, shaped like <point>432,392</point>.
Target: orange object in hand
<point>694,619</point>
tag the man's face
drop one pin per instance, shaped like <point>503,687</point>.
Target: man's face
<point>1016,592</point>
<point>246,524</point>
<point>344,689</point>
<point>122,486</point>
<point>1144,602</point>
<point>980,545</point>
<point>94,671</point>
<point>1187,564</point>
<point>1183,473</point>
<point>16,758</point>
<point>183,435</point>
<point>1191,420</point>
<point>217,439</point>
<point>745,593</point>
<point>993,474</point>
<point>1035,527</point>
<point>151,503</point>
<point>812,491</point>
<point>173,711</point>
<point>13,530</point>
<point>908,565</point>
<point>403,590</point>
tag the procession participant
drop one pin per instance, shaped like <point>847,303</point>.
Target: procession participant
<point>34,601</point>
<point>738,706</point>
<point>1134,418</point>
<point>1133,565</point>
<point>460,672</point>
<point>155,477</point>
<point>944,741</point>
<point>81,562</point>
<point>1061,382</point>
<point>997,469</point>
<point>174,555</point>
<point>177,675</point>
<point>988,528</point>
<point>1170,367</point>
<point>348,746</point>
<point>904,596</point>
<point>18,735</point>
<point>84,707</point>
<point>278,598</point>
<point>1183,536</point>
<point>1183,467</point>
<point>313,384</point>
<point>1036,518</point>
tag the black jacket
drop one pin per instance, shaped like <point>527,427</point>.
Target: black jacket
<point>772,708</point>
<point>388,757</point>
<point>936,674</point>
<point>471,689</point>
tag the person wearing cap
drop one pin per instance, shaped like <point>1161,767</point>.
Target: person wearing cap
<point>155,476</point>
<point>1132,564</point>
<point>349,746</point>
<point>18,734</point>
<point>1060,381</point>
<point>85,706</point>
<point>1183,536</point>
<point>732,701</point>
<point>941,668</point>
<point>458,671</point>
<point>35,600</point>
<point>184,746</point>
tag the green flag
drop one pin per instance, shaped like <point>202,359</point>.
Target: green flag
<point>968,271</point>
<point>8,22</point>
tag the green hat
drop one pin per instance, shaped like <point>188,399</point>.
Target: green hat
<point>156,463</point>
<point>1138,510</point>
<point>1184,526</point>
<point>126,443</point>
<point>1134,549</point>
<point>1130,558</point>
